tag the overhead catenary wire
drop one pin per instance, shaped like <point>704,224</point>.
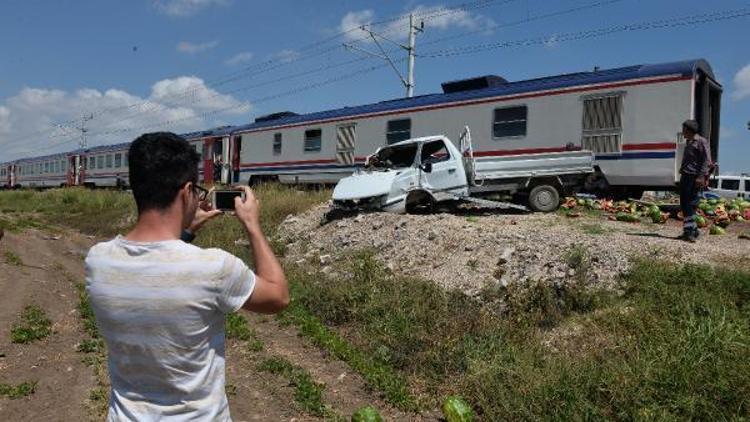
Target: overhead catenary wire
<point>277,62</point>
<point>663,23</point>
<point>160,104</point>
<point>593,33</point>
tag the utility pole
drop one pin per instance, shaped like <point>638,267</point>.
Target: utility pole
<point>82,143</point>
<point>82,128</point>
<point>408,82</point>
<point>412,40</point>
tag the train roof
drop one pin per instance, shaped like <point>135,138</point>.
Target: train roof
<point>681,68</point>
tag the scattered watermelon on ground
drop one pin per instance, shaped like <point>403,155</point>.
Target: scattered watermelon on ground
<point>367,414</point>
<point>716,230</point>
<point>456,410</point>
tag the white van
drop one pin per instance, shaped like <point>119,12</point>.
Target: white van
<point>731,187</point>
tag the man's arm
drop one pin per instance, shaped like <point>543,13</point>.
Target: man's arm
<point>702,177</point>
<point>271,293</point>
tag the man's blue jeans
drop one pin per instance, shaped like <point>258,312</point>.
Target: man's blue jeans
<point>688,201</point>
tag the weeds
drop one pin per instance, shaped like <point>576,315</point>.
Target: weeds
<point>34,325</point>
<point>593,229</point>
<point>12,258</point>
<point>17,391</point>
<point>307,393</point>
<point>236,327</point>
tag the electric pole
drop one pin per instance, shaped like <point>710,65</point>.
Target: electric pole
<point>82,143</point>
<point>82,128</point>
<point>408,82</point>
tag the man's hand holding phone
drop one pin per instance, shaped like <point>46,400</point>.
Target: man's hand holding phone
<point>248,211</point>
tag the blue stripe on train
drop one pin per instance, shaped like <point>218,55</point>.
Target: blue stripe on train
<point>637,156</point>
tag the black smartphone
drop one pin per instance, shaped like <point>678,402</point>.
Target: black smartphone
<point>224,199</point>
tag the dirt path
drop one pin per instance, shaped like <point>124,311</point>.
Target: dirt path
<point>46,278</point>
<point>63,381</point>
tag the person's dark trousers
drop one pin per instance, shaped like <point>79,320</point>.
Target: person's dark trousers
<point>688,201</point>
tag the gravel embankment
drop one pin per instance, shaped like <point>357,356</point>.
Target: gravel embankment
<point>484,249</point>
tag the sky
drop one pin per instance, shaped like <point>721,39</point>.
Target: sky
<point>183,65</point>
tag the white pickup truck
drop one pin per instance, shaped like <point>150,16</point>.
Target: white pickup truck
<point>422,172</point>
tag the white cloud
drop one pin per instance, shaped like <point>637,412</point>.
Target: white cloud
<point>239,58</point>
<point>286,56</point>
<point>195,48</point>
<point>27,120</point>
<point>185,7</point>
<point>742,84</point>
<point>434,17</point>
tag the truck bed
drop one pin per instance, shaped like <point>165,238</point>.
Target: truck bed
<point>533,165</point>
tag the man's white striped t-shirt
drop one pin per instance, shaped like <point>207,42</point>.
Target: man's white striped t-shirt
<point>160,307</point>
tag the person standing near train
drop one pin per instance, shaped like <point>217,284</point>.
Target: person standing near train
<point>694,172</point>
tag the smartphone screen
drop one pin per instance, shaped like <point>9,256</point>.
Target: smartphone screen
<point>224,199</point>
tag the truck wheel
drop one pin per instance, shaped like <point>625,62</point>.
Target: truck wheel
<point>544,198</point>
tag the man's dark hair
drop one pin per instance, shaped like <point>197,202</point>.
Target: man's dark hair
<point>160,164</point>
<point>690,125</point>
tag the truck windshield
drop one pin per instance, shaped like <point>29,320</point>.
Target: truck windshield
<point>399,156</point>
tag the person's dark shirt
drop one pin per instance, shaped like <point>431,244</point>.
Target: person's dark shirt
<point>696,160</point>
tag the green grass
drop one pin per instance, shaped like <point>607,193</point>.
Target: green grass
<point>308,394</point>
<point>34,325</point>
<point>237,328</point>
<point>674,346</point>
<point>97,212</point>
<point>12,258</point>
<point>379,375</point>
<point>17,391</point>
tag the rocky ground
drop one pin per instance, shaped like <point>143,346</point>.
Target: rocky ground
<point>476,249</point>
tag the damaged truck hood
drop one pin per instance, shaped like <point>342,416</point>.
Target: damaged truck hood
<point>364,185</point>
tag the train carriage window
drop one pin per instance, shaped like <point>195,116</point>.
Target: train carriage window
<point>397,130</point>
<point>125,160</point>
<point>46,167</point>
<point>730,184</point>
<point>118,160</point>
<point>276,144</point>
<point>747,185</point>
<point>92,163</point>
<point>602,123</point>
<point>313,140</point>
<point>99,161</point>
<point>55,167</point>
<point>510,122</point>
<point>109,161</point>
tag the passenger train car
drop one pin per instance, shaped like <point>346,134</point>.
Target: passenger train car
<point>630,117</point>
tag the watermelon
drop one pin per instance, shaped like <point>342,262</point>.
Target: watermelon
<point>367,414</point>
<point>630,218</point>
<point>456,410</point>
<point>701,221</point>
<point>716,230</point>
<point>713,201</point>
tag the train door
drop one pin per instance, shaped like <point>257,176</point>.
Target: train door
<point>208,161</point>
<point>75,169</point>
<point>225,148</point>
<point>707,110</point>
<point>12,176</point>
<point>346,140</point>
<point>236,142</point>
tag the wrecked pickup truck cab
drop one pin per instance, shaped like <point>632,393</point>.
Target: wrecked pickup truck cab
<point>422,172</point>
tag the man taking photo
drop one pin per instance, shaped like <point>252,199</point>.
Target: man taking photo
<point>160,303</point>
